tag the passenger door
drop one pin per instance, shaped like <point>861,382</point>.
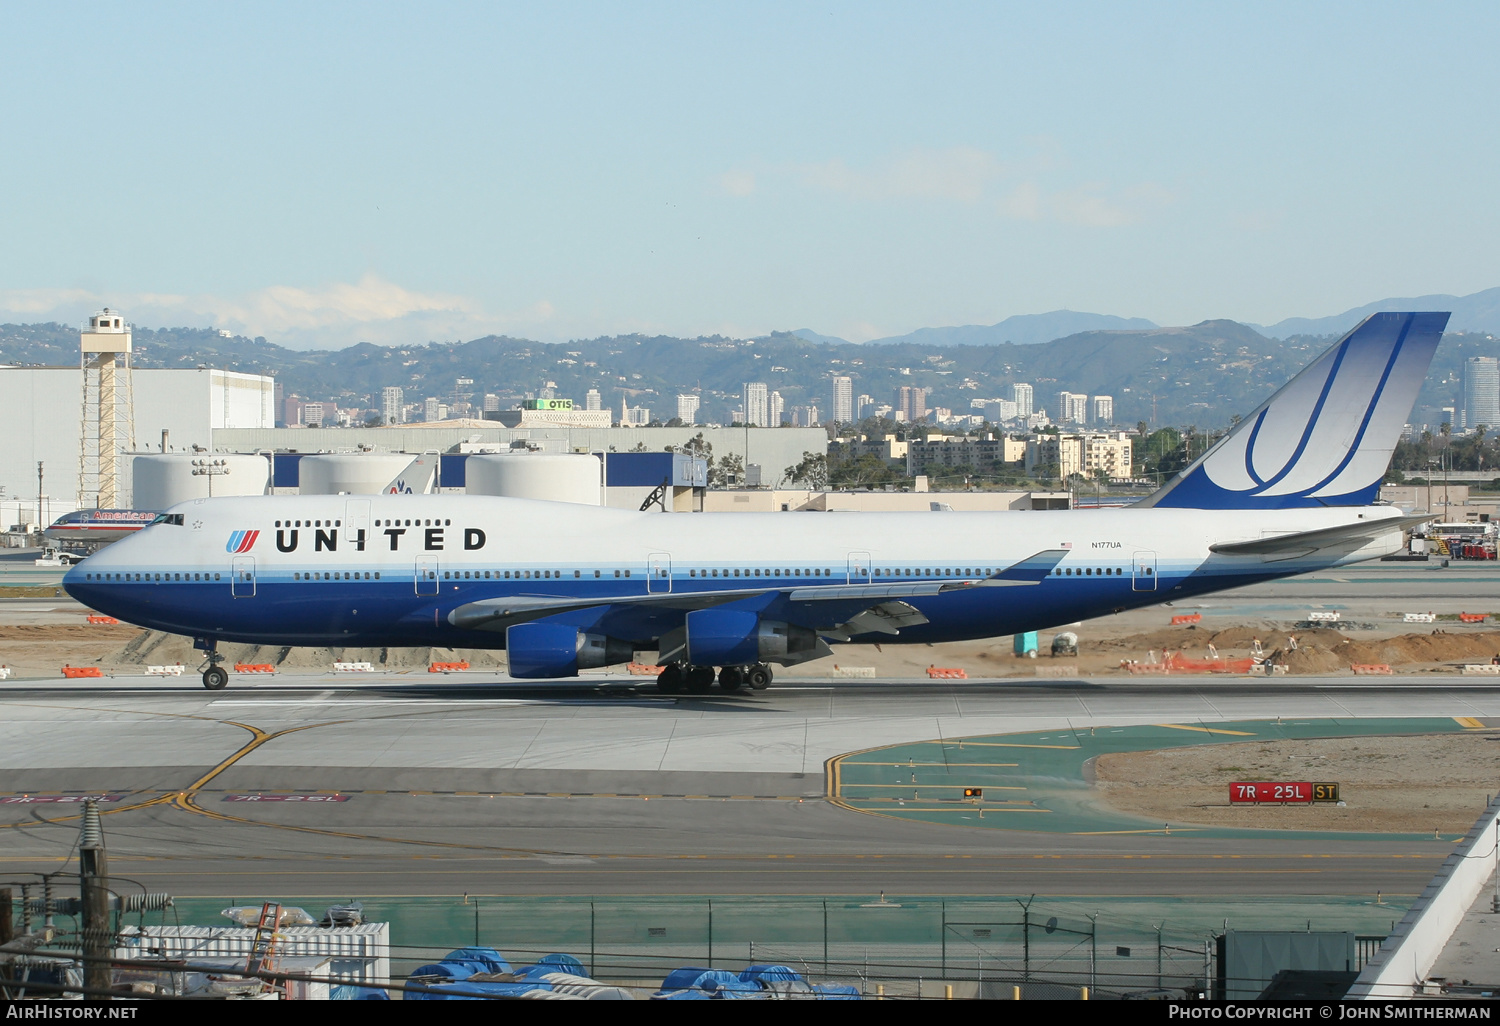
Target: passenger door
<point>242,577</point>
<point>659,573</point>
<point>859,568</point>
<point>1143,571</point>
<point>427,576</point>
<point>356,521</point>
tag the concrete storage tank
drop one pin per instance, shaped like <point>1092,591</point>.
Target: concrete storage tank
<point>530,475</point>
<point>161,480</point>
<point>356,473</point>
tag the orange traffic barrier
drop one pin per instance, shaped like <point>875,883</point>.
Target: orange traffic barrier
<point>446,667</point>
<point>642,670</point>
<point>1471,617</point>
<point>946,673</point>
<point>254,668</point>
<point>1187,618</point>
<point>1370,668</point>
<point>82,671</point>
<point>1176,662</point>
<point>102,619</point>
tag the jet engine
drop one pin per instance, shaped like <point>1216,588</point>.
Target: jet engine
<point>734,637</point>
<point>560,650</point>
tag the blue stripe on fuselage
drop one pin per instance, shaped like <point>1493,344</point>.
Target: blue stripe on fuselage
<point>388,612</point>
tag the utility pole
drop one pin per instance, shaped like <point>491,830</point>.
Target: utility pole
<point>93,891</point>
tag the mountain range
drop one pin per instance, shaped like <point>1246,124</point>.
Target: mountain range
<point>1479,312</point>
<point>1202,374</point>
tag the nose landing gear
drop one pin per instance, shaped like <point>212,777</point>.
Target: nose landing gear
<point>215,677</point>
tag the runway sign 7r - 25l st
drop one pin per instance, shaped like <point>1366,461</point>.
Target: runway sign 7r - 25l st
<point>1298,792</point>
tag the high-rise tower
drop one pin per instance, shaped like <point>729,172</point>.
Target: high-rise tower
<point>1481,392</point>
<point>757,413</point>
<point>843,398</point>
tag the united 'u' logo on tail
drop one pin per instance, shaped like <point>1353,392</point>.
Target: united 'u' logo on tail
<point>1325,438</point>
<point>241,541</point>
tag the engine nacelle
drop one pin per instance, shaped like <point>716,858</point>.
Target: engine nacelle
<point>538,650</point>
<point>735,637</point>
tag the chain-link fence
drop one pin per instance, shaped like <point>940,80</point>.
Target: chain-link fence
<point>901,946</point>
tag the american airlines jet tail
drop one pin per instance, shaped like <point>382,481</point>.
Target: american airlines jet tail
<point>564,587</point>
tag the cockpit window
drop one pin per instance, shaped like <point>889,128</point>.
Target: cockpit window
<point>175,519</point>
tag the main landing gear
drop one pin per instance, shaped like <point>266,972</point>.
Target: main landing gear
<point>215,677</point>
<point>678,678</point>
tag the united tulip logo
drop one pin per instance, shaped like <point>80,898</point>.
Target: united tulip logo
<point>241,541</point>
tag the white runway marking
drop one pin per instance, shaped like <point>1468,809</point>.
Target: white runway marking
<point>378,701</point>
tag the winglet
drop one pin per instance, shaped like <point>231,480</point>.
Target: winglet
<point>1033,569</point>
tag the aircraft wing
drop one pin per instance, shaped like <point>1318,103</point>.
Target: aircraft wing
<point>1289,546</point>
<point>834,605</point>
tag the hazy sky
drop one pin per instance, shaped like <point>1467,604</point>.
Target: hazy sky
<point>324,173</point>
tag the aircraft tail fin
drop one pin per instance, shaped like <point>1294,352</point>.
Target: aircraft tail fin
<point>1325,438</point>
<point>418,478</point>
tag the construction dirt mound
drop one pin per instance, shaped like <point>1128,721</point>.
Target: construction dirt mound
<point>1315,651</point>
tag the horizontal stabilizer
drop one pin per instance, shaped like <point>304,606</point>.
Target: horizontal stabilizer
<point>1303,542</point>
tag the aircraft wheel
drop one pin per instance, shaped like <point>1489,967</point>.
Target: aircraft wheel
<point>732,678</point>
<point>669,681</point>
<point>759,677</point>
<point>216,678</point>
<point>699,679</point>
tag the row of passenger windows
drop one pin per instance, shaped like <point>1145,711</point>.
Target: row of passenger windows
<point>528,575</point>
<point>519,575</point>
<point>759,573</point>
<point>378,523</point>
<point>151,577</point>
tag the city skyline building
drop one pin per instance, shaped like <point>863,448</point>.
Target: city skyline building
<point>1481,392</point>
<point>843,398</point>
<point>757,411</point>
<point>592,400</point>
<point>393,404</point>
<point>1072,408</point>
<point>775,409</point>
<point>432,409</point>
<point>633,416</point>
<point>687,408</point>
<point>1021,394</point>
<point>1102,410</point>
<point>910,403</point>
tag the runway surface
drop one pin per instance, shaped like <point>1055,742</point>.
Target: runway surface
<point>446,787</point>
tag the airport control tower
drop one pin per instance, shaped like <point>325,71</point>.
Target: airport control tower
<point>108,427</point>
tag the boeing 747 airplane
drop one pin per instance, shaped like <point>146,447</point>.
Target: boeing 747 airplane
<point>726,596</point>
